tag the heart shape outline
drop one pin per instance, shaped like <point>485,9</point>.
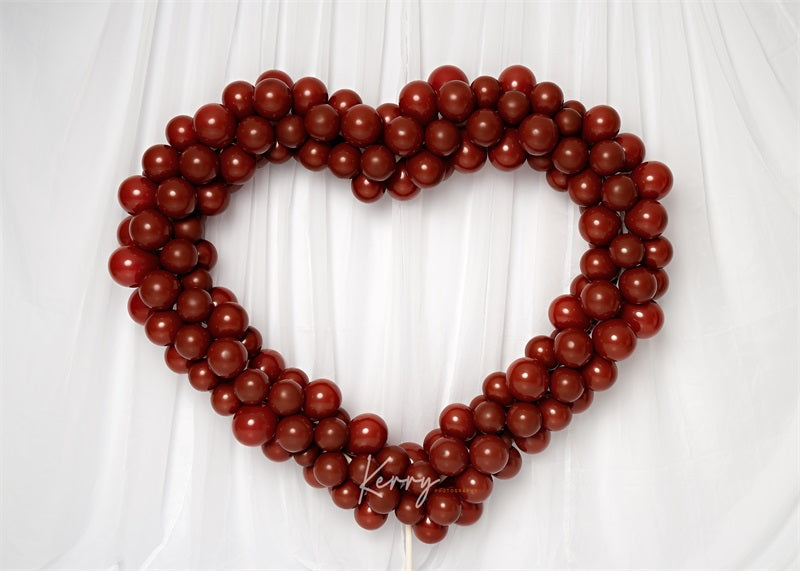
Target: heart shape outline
<point>611,303</point>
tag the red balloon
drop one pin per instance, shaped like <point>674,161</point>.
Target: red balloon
<point>418,101</point>
<point>445,73</point>
<point>572,347</point>
<point>645,319</point>
<point>473,486</point>
<point>488,454</point>
<point>322,398</point>
<point>614,339</point>
<point>368,434</point>
<point>227,357</point>
<point>517,78</point>
<point>449,456</point>
<point>653,180</point>
<point>427,531</point>
<point>128,265</point>
<point>368,518</point>
<point>527,379</point>
<point>456,421</point>
<point>254,425</point>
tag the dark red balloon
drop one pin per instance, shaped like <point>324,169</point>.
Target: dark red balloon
<point>254,425</point>
<point>443,506</point>
<point>513,465</point>
<point>428,531</point>
<point>322,399</point>
<point>368,434</point>
<point>601,299</point>
<point>128,265</point>
<point>272,99</point>
<point>573,347</point>
<point>634,149</point>
<point>285,397</point>
<point>251,386</point>
<point>513,107</point>
<point>331,433</point>
<point>367,190</point>
<point>523,419</point>
<point>474,486</point>
<point>599,123</point>
<point>344,99</point>
<point>214,125</point>
<point>538,134</point>
<point>614,339</point>
<point>418,101</point>
<point>223,400</point>
<point>607,157</point>
<point>556,415</point>
<point>571,155</point>
<point>228,319</point>
<point>567,311</point>
<point>653,180</point>
<point>442,137</point>
<point>149,229</point>
<point>449,456</point>
<point>377,163</point>
<point>159,289</point>
<point>160,162</point>
<point>455,101</point>
<point>404,136</point>
<point>227,357</point>
<point>176,198</point>
<point>626,250</point>
<point>547,98</point>
<point>445,73</point>
<point>456,420</point>
<point>644,319</point>
<point>138,311</point>
<point>566,384</point>
<point>238,98</point>
<point>487,91</point>
<point>367,518</point>
<point>295,433</point>
<point>533,444</point>
<point>599,226</point>
<point>306,93</point>
<point>488,454</point>
<point>180,132</point>
<point>408,511</point>
<point>647,219</point>
<point>517,78</point>
<point>399,185</point>
<point>495,388</point>
<point>162,327</point>
<point>489,416</point>
<point>508,153</point>
<point>485,127</point>
<point>346,495</point>
<point>425,169</point>
<point>137,193</point>
<point>527,379</point>
<point>361,125</point>
<point>330,469</point>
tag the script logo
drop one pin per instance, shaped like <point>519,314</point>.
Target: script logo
<point>404,483</point>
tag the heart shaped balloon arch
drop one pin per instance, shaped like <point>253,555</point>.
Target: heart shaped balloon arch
<point>439,126</point>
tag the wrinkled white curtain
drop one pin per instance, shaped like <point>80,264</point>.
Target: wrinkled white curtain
<point>111,461</point>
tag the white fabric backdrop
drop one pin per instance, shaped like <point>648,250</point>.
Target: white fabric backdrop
<point>111,461</point>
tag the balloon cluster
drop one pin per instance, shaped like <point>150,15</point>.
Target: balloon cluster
<point>437,127</point>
